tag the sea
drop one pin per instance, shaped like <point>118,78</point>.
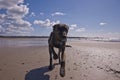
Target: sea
<point>21,42</point>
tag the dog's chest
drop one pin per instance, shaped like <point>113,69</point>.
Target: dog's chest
<point>57,43</point>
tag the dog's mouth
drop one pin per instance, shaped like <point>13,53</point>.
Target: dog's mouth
<point>64,38</point>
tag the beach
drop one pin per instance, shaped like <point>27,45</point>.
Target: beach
<point>85,60</point>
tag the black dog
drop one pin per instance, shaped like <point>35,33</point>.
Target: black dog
<point>58,39</point>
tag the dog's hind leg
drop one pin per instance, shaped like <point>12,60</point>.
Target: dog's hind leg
<point>50,52</point>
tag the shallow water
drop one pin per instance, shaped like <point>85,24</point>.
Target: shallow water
<point>20,42</point>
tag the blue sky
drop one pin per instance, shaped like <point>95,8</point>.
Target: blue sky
<point>84,17</point>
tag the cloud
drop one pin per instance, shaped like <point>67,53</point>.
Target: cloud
<point>1,29</point>
<point>73,26</point>
<point>12,20</point>
<point>46,23</point>
<point>13,8</point>
<point>58,14</point>
<point>41,13</point>
<point>32,14</point>
<point>102,23</point>
<point>19,11</point>
<point>80,30</point>
<point>13,25</point>
<point>6,4</point>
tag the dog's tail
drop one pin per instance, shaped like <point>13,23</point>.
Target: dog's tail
<point>68,46</point>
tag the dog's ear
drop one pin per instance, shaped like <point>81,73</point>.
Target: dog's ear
<point>55,27</point>
<point>67,27</point>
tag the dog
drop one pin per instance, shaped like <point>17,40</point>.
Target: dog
<point>58,39</point>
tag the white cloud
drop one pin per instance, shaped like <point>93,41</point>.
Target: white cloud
<point>13,24</point>
<point>58,14</point>
<point>41,13</point>
<point>80,30</point>
<point>19,11</point>
<point>46,23</point>
<point>1,29</point>
<point>12,21</point>
<point>13,9</point>
<point>73,26</point>
<point>102,23</point>
<point>6,4</point>
<point>32,14</point>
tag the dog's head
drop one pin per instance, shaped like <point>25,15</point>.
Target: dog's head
<point>60,31</point>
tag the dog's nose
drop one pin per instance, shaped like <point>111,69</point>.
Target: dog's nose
<point>64,34</point>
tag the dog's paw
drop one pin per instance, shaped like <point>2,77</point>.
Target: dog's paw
<point>62,71</point>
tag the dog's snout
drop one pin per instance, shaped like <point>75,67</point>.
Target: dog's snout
<point>64,34</point>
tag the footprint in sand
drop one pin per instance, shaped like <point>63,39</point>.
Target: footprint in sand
<point>22,63</point>
<point>71,77</point>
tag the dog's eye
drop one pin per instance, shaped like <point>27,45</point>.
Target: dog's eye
<point>65,30</point>
<point>60,29</point>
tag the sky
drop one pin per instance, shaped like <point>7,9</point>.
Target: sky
<point>85,18</point>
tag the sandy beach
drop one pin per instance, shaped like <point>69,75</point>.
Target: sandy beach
<point>85,60</point>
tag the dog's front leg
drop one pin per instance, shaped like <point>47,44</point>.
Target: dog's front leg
<point>59,55</point>
<point>63,55</point>
<point>62,67</point>
<point>50,52</point>
<point>55,56</point>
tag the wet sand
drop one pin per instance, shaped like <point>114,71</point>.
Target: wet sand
<point>85,60</point>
